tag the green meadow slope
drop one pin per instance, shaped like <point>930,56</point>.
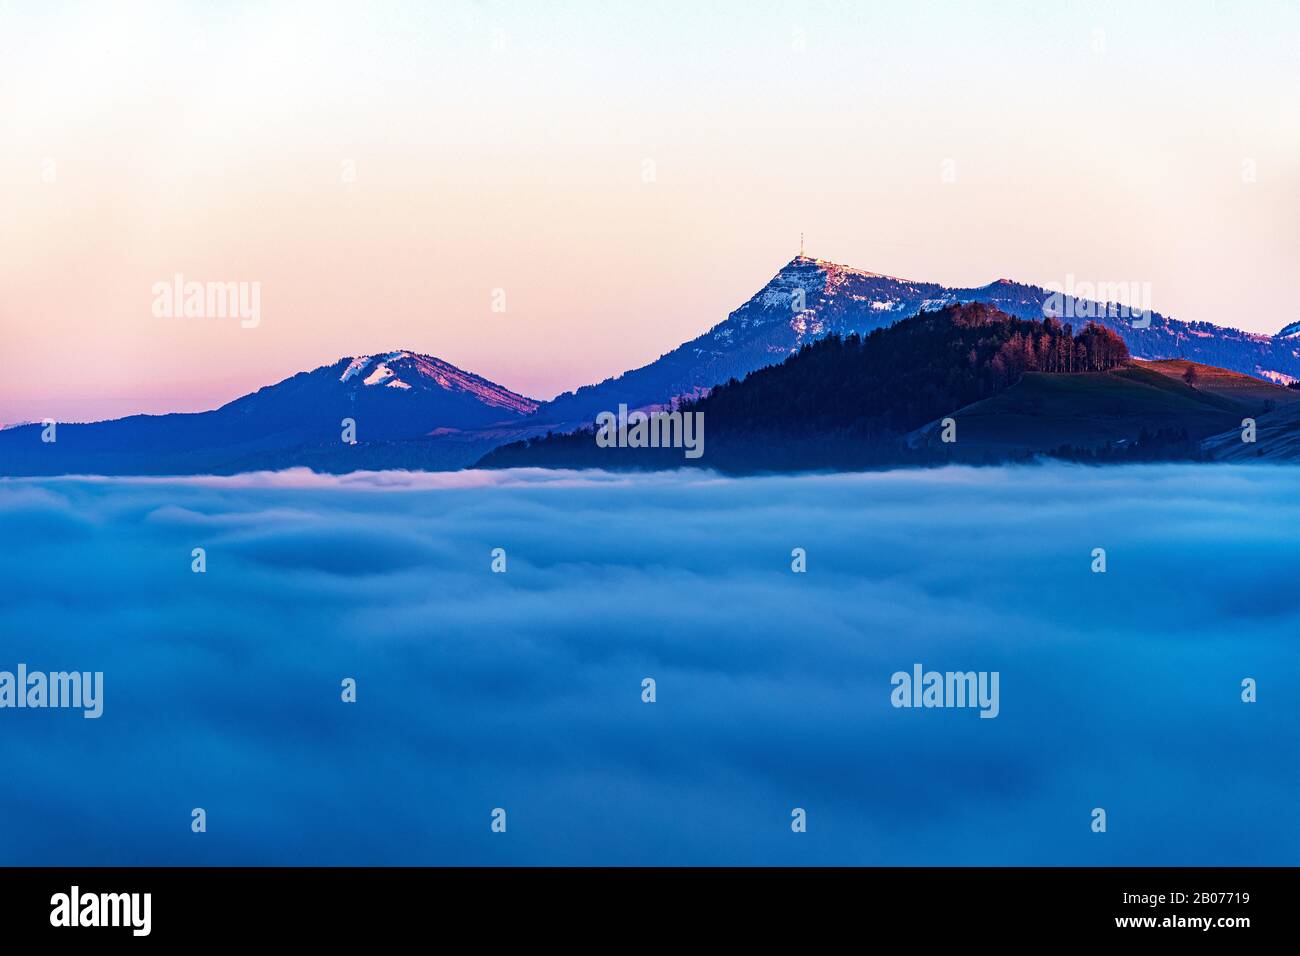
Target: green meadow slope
<point>1045,412</point>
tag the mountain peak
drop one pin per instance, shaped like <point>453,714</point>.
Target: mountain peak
<point>835,268</point>
<point>408,371</point>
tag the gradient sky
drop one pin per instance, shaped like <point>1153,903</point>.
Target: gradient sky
<point>503,146</point>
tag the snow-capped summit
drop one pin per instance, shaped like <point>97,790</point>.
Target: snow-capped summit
<point>810,297</point>
<point>410,371</point>
<point>332,417</point>
<point>806,299</point>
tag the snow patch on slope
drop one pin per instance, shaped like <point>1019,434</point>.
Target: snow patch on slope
<point>358,364</point>
<point>381,372</point>
<point>1281,378</point>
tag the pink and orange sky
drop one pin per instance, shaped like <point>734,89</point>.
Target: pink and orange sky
<point>380,171</point>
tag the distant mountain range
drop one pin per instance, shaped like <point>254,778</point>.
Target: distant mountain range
<point>394,399</point>
<point>417,411</point>
<point>965,383</point>
<point>809,298</point>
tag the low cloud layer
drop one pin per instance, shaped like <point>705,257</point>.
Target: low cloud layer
<point>522,690</point>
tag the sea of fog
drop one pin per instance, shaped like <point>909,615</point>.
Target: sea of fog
<point>523,690</point>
